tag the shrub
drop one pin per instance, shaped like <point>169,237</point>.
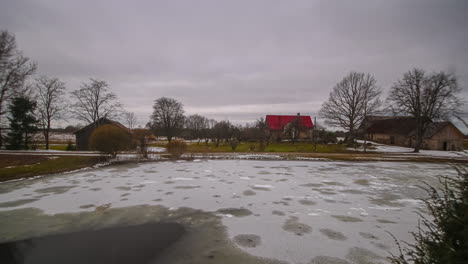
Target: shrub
<point>234,144</point>
<point>176,148</point>
<point>252,147</point>
<point>70,146</point>
<point>261,146</point>
<point>110,140</point>
<point>442,237</point>
<point>141,137</point>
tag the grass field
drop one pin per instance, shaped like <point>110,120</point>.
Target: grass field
<point>303,147</point>
<point>20,166</point>
<point>54,147</point>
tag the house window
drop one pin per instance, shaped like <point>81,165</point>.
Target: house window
<point>392,140</point>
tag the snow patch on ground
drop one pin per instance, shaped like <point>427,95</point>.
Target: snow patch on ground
<point>156,149</point>
<point>377,147</point>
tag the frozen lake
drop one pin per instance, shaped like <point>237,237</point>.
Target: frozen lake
<point>292,211</point>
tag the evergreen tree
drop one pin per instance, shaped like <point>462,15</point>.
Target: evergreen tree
<point>22,122</point>
<point>441,238</point>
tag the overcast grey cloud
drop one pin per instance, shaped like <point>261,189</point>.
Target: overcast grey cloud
<point>237,60</point>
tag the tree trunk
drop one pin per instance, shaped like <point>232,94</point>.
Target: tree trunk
<point>351,137</point>
<point>26,140</point>
<point>419,135</point>
<point>365,142</point>
<point>2,97</point>
<point>46,134</point>
<point>418,144</point>
<point>46,138</point>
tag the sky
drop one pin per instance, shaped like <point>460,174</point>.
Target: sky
<point>237,60</point>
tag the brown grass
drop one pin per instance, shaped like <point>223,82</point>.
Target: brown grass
<point>21,166</point>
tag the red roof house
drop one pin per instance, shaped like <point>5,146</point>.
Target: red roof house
<point>278,122</point>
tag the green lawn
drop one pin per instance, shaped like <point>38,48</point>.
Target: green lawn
<point>20,166</point>
<point>273,147</point>
<point>54,147</point>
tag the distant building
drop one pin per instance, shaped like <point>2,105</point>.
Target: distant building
<point>277,124</point>
<point>401,131</point>
<point>82,135</point>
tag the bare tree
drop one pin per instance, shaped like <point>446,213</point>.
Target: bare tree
<point>263,133</point>
<point>50,102</point>
<point>196,125</point>
<point>208,132</point>
<point>351,100</point>
<point>14,70</point>
<point>292,129</point>
<point>167,118</point>
<point>425,97</point>
<point>222,130</point>
<point>95,101</point>
<point>130,119</point>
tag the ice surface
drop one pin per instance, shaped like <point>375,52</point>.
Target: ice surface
<point>329,199</point>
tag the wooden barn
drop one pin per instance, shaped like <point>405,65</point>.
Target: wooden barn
<point>82,135</point>
<point>277,123</point>
<point>401,131</point>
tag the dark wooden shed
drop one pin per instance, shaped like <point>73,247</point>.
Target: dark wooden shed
<point>82,135</point>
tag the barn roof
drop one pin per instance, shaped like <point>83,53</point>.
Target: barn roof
<point>399,125</point>
<point>102,121</point>
<point>403,125</point>
<point>277,122</point>
<point>435,128</point>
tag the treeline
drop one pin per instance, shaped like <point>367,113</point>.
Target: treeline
<point>29,105</point>
<point>168,120</point>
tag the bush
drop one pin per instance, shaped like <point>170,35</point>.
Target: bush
<point>110,140</point>
<point>261,146</point>
<point>443,237</point>
<point>252,147</point>
<point>234,144</point>
<point>176,148</point>
<point>70,146</point>
<point>141,137</point>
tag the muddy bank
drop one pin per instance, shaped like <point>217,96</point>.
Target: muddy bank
<point>136,234</point>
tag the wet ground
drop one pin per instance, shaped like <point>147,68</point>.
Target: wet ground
<point>237,211</point>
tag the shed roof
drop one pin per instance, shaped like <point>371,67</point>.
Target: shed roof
<point>277,122</point>
<point>100,122</point>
